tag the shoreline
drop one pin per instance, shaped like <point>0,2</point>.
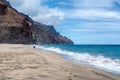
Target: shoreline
<point>91,66</point>
<point>66,56</point>
<point>25,63</point>
<point>83,63</point>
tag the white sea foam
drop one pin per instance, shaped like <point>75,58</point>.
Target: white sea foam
<point>100,61</point>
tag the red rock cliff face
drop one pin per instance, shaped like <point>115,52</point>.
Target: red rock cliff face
<point>13,27</point>
<point>19,28</point>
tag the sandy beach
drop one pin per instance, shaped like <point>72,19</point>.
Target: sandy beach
<point>22,62</point>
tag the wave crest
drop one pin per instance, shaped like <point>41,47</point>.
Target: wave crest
<point>99,61</point>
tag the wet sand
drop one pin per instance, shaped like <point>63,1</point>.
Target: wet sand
<point>22,62</point>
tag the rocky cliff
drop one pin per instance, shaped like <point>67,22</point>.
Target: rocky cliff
<point>19,28</point>
<point>47,34</point>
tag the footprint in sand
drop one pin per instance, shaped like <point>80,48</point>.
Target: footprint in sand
<point>69,77</point>
<point>63,68</point>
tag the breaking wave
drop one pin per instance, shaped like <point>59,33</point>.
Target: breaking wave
<point>101,62</point>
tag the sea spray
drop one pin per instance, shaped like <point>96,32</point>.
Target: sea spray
<point>95,60</point>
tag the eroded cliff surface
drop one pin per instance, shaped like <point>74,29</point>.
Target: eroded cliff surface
<point>14,28</point>
<point>19,28</point>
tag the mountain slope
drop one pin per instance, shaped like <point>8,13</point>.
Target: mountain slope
<point>19,28</point>
<point>14,28</point>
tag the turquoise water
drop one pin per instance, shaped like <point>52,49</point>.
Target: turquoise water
<point>112,51</point>
<point>106,57</point>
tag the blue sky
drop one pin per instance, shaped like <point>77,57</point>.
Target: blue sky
<point>83,21</point>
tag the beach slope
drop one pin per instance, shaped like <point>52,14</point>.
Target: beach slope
<point>22,62</point>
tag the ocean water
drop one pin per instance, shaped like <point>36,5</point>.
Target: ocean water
<point>105,57</point>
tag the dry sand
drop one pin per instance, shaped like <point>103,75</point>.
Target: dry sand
<point>21,62</point>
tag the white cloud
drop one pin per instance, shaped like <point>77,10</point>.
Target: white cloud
<point>93,3</point>
<point>16,3</point>
<point>38,12</point>
<point>51,16</point>
<point>83,9</point>
<point>100,25</point>
<point>83,30</point>
<point>94,10</point>
<point>94,14</point>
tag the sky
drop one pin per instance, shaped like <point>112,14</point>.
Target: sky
<point>83,21</point>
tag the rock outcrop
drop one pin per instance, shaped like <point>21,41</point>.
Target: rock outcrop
<point>3,9</point>
<point>19,28</point>
<point>47,34</point>
<point>14,28</point>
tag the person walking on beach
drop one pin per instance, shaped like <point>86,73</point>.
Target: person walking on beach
<point>33,46</point>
